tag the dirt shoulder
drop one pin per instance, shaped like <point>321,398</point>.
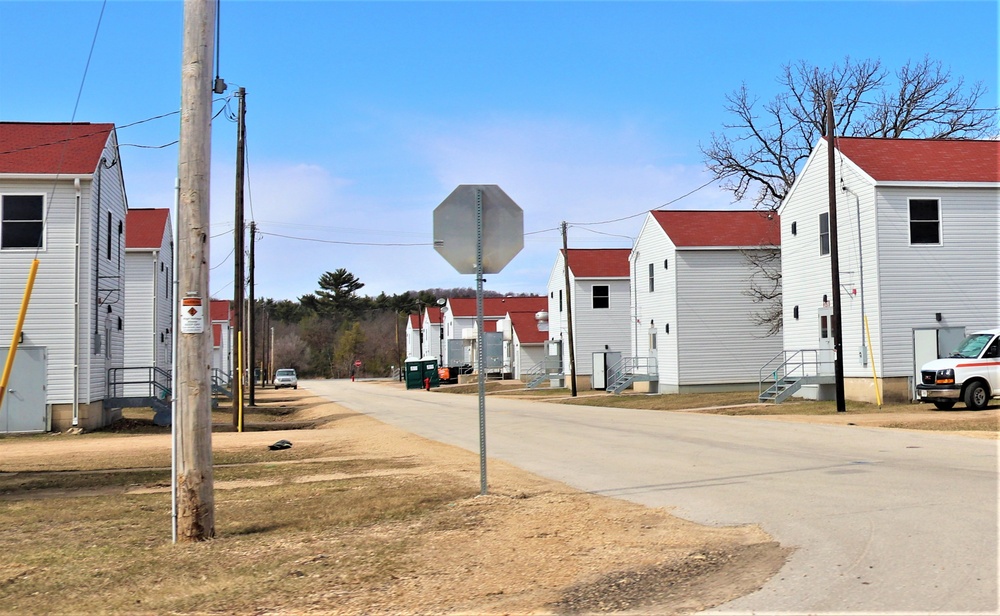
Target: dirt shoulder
<point>531,546</point>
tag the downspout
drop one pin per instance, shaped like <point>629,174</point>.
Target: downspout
<point>635,301</point>
<point>76,306</point>
<point>156,310</point>
<point>96,227</point>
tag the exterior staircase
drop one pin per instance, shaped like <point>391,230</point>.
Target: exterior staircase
<point>138,387</point>
<point>788,371</point>
<point>549,368</point>
<point>221,386</point>
<point>629,370</point>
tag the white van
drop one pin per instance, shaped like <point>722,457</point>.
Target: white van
<point>971,373</point>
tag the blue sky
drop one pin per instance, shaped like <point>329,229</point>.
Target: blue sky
<point>363,116</point>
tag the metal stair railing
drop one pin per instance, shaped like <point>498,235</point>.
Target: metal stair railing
<point>785,373</point>
<point>222,383</point>
<point>630,370</point>
<point>549,367</point>
<point>146,386</point>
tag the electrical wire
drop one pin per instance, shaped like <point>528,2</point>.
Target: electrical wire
<point>311,239</point>
<point>644,212</point>
<point>76,106</point>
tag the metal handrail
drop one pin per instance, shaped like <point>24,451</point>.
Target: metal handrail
<point>550,364</point>
<point>628,367</point>
<point>156,379</point>
<point>790,364</point>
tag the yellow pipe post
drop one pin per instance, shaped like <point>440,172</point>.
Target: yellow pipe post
<point>9,364</point>
<point>239,382</point>
<point>878,394</point>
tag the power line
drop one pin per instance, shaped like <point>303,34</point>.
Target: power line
<point>644,212</point>
<point>98,132</point>
<point>312,239</point>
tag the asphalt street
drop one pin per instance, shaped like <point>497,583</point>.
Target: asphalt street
<point>881,520</point>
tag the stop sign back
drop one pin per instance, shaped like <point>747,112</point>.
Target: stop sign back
<point>456,228</point>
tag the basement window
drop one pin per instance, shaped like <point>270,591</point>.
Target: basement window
<point>21,221</point>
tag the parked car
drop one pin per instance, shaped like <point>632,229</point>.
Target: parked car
<point>971,373</point>
<point>285,377</point>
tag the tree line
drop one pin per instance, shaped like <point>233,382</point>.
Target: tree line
<point>323,333</point>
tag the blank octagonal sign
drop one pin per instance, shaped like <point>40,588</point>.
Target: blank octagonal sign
<point>455,228</point>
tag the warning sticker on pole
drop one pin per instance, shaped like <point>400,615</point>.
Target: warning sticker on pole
<point>192,316</point>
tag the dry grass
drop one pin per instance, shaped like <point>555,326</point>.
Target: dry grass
<point>357,518</point>
<point>111,552</point>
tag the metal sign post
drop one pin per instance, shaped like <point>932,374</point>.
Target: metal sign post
<point>488,214</point>
<point>480,342</point>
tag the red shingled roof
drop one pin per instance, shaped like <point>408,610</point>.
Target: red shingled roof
<point>526,326</point>
<point>219,309</point>
<point>434,314</point>
<point>599,262</point>
<point>32,147</point>
<point>924,160</point>
<point>718,228</point>
<point>145,228</point>
<point>497,307</point>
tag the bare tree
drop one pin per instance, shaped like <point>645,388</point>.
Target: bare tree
<point>763,147</point>
<point>765,287</point>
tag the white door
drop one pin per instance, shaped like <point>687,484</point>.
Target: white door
<point>825,356</point>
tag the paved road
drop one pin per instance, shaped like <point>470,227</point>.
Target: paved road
<point>883,521</point>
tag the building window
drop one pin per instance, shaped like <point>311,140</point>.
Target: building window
<point>824,233</point>
<point>652,340</point>
<point>109,236</point>
<point>925,221</point>
<point>22,221</point>
<point>602,296</point>
<point>651,286</point>
<point>560,301</point>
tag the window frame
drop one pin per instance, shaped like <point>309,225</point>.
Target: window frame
<point>606,296</point>
<point>911,222</point>
<point>824,236</point>
<point>23,221</point>
<point>652,278</point>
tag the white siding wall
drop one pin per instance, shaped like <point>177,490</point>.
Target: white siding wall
<point>593,329</point>
<point>805,273</point>
<point>716,338</point>
<point>657,308</point>
<point>110,284</point>
<point>141,267</point>
<point>958,278</point>
<point>526,356</point>
<point>49,320</point>
<point>148,287</point>
<point>165,300</point>
<point>557,320</point>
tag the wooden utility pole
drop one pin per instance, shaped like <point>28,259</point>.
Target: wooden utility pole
<point>569,314</point>
<point>239,279</point>
<point>195,498</point>
<point>252,326</point>
<point>838,335</point>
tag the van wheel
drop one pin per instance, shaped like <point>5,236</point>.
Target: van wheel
<point>944,405</point>
<point>976,397</point>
